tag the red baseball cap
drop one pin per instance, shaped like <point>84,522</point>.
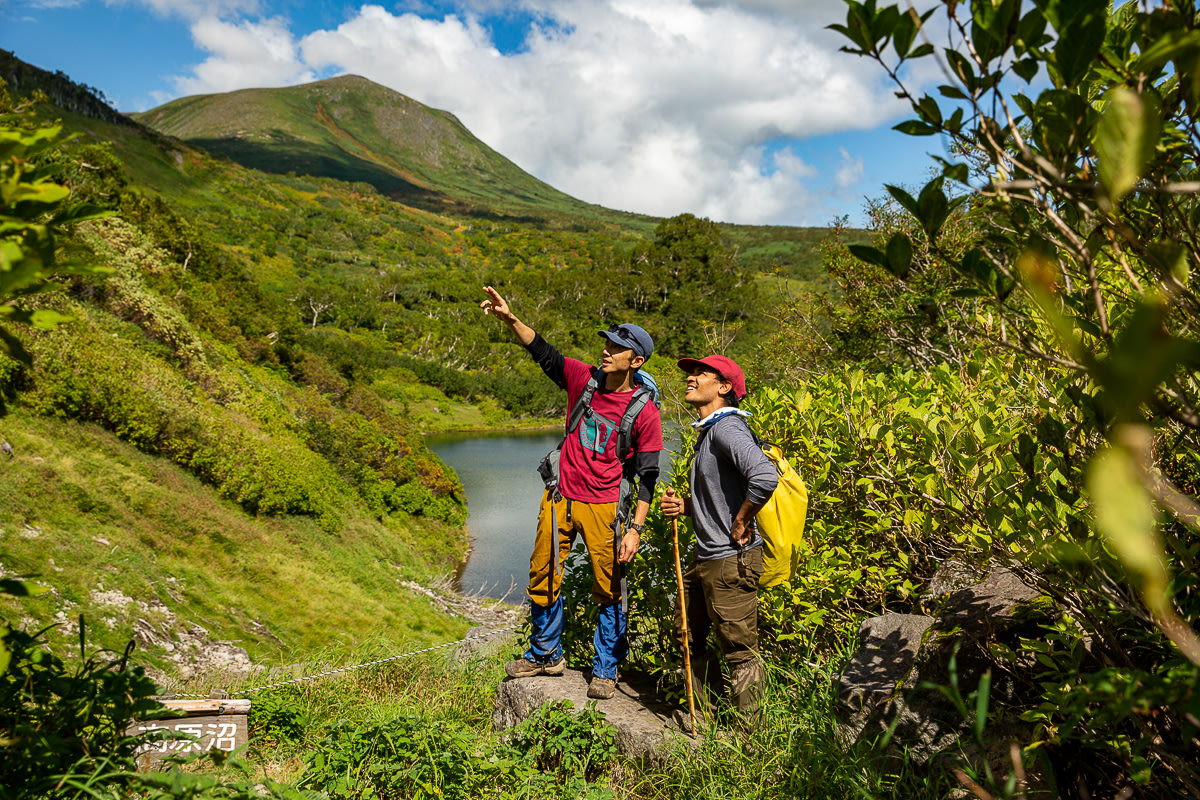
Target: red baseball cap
<point>724,366</point>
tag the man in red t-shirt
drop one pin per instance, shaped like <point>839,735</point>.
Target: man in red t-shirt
<point>585,501</point>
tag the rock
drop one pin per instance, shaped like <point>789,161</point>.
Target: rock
<point>996,597</point>
<point>875,683</point>
<point>888,646</point>
<point>881,687</point>
<point>644,726</point>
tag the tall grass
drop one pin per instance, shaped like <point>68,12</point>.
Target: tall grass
<point>792,751</point>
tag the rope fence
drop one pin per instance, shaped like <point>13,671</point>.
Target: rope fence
<point>243,692</point>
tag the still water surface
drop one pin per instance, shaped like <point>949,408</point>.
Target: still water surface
<point>499,474</point>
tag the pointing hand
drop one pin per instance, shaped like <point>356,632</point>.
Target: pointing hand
<point>496,305</point>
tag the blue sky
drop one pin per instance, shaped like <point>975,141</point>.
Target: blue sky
<point>737,110</point>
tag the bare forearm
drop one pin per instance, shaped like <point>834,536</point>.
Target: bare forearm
<point>523,332</point>
<point>747,512</point>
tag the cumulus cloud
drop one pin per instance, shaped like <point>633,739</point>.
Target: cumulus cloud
<point>657,106</point>
<point>244,54</point>
<point>851,170</point>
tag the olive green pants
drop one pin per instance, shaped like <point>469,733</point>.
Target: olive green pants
<point>721,597</point>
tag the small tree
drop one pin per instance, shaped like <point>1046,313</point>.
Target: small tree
<point>33,211</point>
<point>1085,194</point>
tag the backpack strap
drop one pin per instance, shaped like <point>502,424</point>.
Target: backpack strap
<point>640,398</point>
<point>583,404</point>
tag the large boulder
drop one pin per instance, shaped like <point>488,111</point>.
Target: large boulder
<point>645,726</point>
<point>887,684</point>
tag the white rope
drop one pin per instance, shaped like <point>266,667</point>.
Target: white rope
<point>357,666</point>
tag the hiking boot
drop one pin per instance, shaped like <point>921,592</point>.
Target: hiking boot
<point>524,668</point>
<point>602,688</point>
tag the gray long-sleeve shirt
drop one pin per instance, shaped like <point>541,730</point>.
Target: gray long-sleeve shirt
<point>728,468</point>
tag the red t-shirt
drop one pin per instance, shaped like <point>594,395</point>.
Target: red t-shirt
<point>588,468</point>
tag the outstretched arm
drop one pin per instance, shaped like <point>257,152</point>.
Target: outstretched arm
<point>497,306</point>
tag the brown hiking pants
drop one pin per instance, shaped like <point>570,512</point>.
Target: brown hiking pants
<point>595,522</point>
<point>721,596</point>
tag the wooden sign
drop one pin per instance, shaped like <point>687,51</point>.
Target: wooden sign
<point>214,724</point>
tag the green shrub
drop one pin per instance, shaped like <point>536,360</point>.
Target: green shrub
<point>277,719</point>
<point>59,720</point>
<point>566,744</point>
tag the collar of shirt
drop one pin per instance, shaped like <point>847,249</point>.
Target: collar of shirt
<point>711,419</point>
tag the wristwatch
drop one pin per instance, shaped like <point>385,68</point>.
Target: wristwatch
<point>640,527</point>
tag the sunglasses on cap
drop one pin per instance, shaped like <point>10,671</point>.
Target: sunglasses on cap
<point>623,334</point>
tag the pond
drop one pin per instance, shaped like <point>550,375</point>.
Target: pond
<point>499,474</point>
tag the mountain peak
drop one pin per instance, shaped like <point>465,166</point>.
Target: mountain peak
<point>354,129</point>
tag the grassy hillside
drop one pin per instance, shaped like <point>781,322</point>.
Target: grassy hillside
<point>351,129</point>
<point>354,130</point>
<point>144,550</point>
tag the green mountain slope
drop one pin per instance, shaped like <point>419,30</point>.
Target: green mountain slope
<point>354,130</point>
<point>351,129</point>
<point>271,345</point>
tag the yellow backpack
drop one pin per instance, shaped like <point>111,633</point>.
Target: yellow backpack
<point>781,521</point>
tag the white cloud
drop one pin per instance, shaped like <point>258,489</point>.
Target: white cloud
<point>197,9</point>
<point>244,54</point>
<point>851,170</point>
<point>48,4</point>
<point>658,106</point>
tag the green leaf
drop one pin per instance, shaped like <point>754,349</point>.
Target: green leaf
<point>1170,258</point>
<point>44,193</point>
<point>21,588</point>
<point>899,255</point>
<point>914,127</point>
<point>904,32</point>
<point>903,198</point>
<point>48,320</point>
<point>981,703</point>
<point>1026,68</point>
<point>869,254</point>
<point>932,208</point>
<point>929,110</point>
<point>1031,30</point>
<point>1081,25</point>
<point>1125,514</point>
<point>957,172</point>
<point>1125,139</point>
<point>1168,47</point>
<point>961,67</point>
<point>81,213</point>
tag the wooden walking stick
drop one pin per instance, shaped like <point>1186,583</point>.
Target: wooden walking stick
<point>687,645</point>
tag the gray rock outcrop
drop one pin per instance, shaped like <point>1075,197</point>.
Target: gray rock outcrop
<point>645,727</point>
<point>886,685</point>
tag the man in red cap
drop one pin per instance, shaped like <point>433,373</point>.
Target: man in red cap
<point>729,481</point>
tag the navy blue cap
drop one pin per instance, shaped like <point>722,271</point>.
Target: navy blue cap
<point>632,336</point>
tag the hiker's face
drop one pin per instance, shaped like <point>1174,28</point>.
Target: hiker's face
<point>615,358</point>
<point>703,386</point>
